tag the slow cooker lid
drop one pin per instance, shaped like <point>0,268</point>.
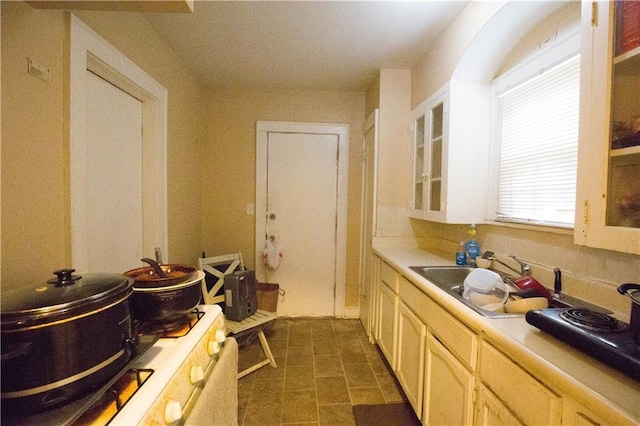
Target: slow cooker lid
<point>63,293</point>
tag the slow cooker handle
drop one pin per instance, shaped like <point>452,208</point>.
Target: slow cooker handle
<point>624,288</point>
<point>130,347</point>
<point>18,350</point>
<point>64,277</point>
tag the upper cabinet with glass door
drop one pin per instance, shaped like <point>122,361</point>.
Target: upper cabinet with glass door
<point>608,192</point>
<point>428,137</point>
<point>450,136</point>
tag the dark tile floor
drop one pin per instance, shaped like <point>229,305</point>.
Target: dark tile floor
<point>325,366</point>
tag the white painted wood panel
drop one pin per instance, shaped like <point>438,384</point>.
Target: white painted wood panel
<point>301,200</point>
<point>114,177</point>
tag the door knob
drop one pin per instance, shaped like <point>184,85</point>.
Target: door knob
<point>272,216</point>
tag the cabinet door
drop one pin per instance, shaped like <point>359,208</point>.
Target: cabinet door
<point>430,136</point>
<point>448,394</point>
<point>388,310</point>
<point>608,187</point>
<point>576,415</point>
<point>375,300</point>
<point>492,412</point>
<point>525,395</point>
<point>419,191</point>
<point>435,143</point>
<point>410,356</point>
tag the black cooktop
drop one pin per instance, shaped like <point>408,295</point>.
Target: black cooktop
<point>598,335</point>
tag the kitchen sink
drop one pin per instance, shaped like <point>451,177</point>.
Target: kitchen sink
<point>451,280</point>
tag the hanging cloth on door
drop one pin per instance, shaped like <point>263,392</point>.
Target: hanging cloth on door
<point>272,253</point>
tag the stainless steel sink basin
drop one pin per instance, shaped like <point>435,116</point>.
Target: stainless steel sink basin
<point>451,280</point>
<point>444,277</point>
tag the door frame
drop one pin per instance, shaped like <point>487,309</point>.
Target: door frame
<point>366,238</point>
<point>89,51</point>
<point>263,128</point>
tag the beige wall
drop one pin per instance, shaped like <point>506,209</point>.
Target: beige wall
<point>229,159</point>
<point>35,178</point>
<point>372,100</point>
<point>33,174</point>
<point>439,63</point>
<point>394,152</point>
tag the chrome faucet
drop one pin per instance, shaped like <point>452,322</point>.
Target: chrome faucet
<point>495,259</point>
<point>524,268</point>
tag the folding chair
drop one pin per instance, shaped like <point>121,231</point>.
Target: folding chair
<point>215,268</point>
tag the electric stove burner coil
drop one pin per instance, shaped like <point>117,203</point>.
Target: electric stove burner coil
<point>591,320</point>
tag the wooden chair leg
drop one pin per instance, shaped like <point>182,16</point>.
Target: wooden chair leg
<point>267,351</point>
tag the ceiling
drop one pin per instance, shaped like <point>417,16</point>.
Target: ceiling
<point>311,45</point>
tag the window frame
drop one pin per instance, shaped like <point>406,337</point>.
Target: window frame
<point>545,59</point>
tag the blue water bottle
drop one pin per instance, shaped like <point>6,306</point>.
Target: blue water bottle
<point>461,255</point>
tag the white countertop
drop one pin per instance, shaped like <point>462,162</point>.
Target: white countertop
<point>561,367</point>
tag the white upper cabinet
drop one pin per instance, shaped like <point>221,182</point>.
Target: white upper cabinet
<point>450,150</point>
<point>608,191</point>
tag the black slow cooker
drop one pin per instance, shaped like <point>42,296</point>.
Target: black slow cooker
<point>63,337</point>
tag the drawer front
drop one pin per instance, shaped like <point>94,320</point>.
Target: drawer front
<point>529,399</point>
<point>416,300</point>
<point>389,276</point>
<point>456,337</point>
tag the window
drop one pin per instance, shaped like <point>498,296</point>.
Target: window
<point>536,135</point>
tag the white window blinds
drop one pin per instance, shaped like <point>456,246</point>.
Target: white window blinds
<point>538,143</point>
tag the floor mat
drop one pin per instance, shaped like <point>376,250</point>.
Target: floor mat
<point>400,414</point>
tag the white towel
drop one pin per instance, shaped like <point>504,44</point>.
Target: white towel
<point>272,253</point>
<point>218,402</point>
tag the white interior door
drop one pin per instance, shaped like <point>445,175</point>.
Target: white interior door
<point>113,177</point>
<point>118,179</point>
<point>302,189</point>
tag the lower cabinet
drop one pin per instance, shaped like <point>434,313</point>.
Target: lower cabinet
<point>451,375</point>
<point>410,356</point>
<point>435,359</point>
<point>387,330</point>
<point>574,414</point>
<point>491,411</point>
<point>528,400</point>
<point>449,387</point>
